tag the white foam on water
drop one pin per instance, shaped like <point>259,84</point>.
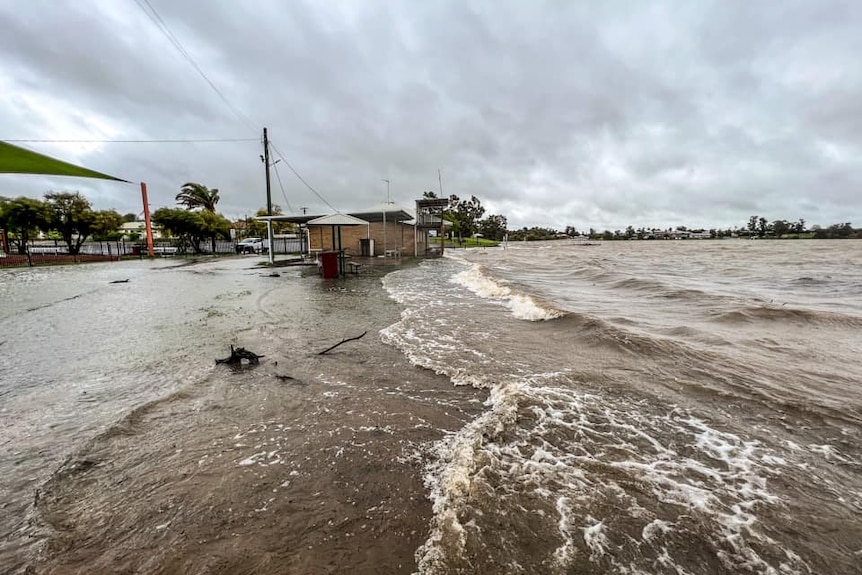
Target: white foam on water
<point>716,481</point>
<point>565,553</point>
<point>523,306</point>
<point>595,538</point>
<point>449,478</point>
<point>252,459</point>
<point>654,528</point>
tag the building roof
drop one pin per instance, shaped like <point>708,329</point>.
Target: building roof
<point>292,219</point>
<point>394,213</point>
<point>336,220</point>
<point>133,226</point>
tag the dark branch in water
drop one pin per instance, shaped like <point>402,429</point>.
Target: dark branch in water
<point>125,281</point>
<point>342,341</point>
<point>239,354</point>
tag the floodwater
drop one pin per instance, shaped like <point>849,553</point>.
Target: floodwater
<point>631,407</point>
<point>125,448</point>
<point>655,407</point>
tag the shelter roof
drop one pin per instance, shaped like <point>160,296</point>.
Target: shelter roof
<point>394,213</point>
<point>336,220</point>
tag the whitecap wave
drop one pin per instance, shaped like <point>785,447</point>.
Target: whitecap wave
<point>523,306</point>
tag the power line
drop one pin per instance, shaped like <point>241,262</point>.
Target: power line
<point>153,15</point>
<point>301,179</point>
<point>144,5</point>
<point>156,141</point>
<point>278,177</point>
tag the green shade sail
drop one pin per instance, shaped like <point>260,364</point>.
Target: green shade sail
<point>15,160</point>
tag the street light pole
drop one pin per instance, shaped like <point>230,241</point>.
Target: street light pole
<point>384,217</point>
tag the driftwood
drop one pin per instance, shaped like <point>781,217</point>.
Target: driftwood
<point>328,349</point>
<point>125,281</point>
<point>238,354</point>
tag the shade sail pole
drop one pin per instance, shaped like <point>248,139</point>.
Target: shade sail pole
<point>147,223</point>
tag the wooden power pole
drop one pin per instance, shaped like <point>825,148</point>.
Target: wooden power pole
<point>268,195</point>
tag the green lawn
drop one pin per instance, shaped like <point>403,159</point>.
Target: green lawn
<point>468,243</point>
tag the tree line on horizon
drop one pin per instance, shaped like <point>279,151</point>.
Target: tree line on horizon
<point>756,226</point>
<point>69,217</point>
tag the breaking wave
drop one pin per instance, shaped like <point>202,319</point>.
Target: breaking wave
<point>523,306</point>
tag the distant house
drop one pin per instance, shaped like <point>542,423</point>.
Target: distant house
<point>678,235</point>
<point>138,230</point>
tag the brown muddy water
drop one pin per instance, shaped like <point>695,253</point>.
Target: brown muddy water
<point>634,407</point>
<point>126,449</point>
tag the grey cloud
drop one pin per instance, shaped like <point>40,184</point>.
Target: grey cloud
<point>554,113</point>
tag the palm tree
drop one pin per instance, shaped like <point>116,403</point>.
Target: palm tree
<point>194,196</point>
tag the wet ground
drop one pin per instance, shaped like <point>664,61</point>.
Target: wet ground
<point>305,463</point>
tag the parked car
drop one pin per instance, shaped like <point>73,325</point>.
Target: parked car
<point>251,246</point>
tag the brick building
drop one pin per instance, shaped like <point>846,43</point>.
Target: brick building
<point>389,227</point>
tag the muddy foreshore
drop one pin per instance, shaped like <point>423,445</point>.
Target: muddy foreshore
<point>304,464</point>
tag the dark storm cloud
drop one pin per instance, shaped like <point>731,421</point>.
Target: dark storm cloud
<point>552,113</point>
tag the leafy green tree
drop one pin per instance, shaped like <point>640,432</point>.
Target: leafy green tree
<point>463,214</point>
<point>630,232</point>
<point>184,225</point>
<point>191,228</point>
<point>107,225</point>
<point>752,225</point>
<point>197,196</point>
<point>257,228</point>
<point>214,226</point>
<point>429,195</point>
<point>493,227</point>
<point>130,217</point>
<point>72,216</point>
<point>762,226</point>
<point>533,234</point>
<point>835,231</point>
<point>780,227</point>
<point>22,218</point>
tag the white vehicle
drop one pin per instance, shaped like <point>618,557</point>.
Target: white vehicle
<point>251,246</point>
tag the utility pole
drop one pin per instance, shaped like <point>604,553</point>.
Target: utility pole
<point>268,195</point>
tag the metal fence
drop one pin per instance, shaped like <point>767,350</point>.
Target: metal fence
<point>51,252</point>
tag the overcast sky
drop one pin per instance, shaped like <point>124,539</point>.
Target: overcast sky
<point>559,113</point>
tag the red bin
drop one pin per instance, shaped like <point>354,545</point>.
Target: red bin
<point>328,263</point>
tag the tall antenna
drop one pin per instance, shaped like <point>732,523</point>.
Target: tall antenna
<point>440,181</point>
